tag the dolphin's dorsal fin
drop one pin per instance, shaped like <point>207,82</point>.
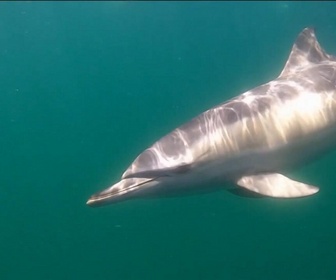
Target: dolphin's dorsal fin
<point>306,51</point>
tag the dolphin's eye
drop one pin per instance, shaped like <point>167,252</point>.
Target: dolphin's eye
<point>181,169</point>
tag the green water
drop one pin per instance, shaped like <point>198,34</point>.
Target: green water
<point>87,86</point>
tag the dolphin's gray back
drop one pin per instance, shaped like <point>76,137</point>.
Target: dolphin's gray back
<point>297,106</point>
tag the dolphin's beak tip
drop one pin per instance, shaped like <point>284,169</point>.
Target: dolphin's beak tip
<point>90,202</point>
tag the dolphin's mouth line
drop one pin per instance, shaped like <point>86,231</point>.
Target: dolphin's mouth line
<point>120,191</point>
<point>140,184</point>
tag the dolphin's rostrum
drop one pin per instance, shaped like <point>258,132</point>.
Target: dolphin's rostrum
<point>248,140</point>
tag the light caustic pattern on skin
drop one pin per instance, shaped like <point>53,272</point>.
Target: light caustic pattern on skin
<point>268,116</point>
<point>285,118</point>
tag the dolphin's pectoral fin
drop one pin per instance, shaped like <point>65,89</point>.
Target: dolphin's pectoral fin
<point>276,185</point>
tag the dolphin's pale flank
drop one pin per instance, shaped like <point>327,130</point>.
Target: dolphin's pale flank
<point>247,141</point>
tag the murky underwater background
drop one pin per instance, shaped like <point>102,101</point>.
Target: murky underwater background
<point>85,87</point>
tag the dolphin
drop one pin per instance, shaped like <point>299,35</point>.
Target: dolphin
<point>249,141</point>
